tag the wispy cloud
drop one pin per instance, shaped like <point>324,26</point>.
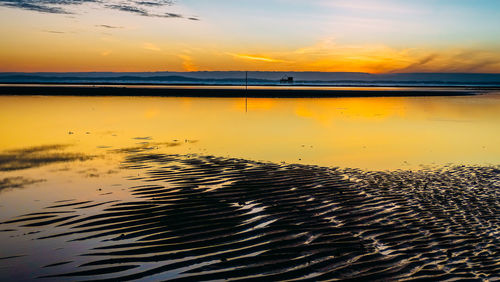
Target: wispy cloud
<point>45,6</point>
<point>108,26</point>
<point>256,58</point>
<point>453,60</point>
<point>384,6</point>
<point>54,31</point>
<point>331,55</point>
<point>151,8</point>
<point>150,46</point>
<point>142,10</point>
<point>188,63</point>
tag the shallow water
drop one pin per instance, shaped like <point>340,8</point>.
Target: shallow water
<point>199,218</point>
<point>369,133</point>
<point>64,160</point>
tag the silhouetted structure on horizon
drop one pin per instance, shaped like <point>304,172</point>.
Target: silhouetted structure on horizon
<point>286,79</point>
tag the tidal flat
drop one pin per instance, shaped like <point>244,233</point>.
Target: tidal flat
<point>193,189</point>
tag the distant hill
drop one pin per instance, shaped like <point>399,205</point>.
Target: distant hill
<point>255,78</point>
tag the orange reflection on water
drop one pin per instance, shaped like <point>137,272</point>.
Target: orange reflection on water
<point>374,133</point>
<point>330,110</point>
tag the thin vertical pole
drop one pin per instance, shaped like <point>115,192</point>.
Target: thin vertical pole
<point>246,91</point>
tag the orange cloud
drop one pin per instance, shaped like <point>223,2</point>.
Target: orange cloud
<point>150,46</point>
<point>327,55</point>
<point>256,58</point>
<point>187,63</point>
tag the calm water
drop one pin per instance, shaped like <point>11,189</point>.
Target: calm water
<point>367,133</point>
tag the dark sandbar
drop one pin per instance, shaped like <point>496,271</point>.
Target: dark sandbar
<point>223,92</point>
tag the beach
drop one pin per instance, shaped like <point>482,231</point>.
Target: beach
<point>199,189</point>
<point>209,218</point>
<point>166,140</point>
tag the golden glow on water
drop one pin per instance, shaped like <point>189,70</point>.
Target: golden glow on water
<point>372,133</point>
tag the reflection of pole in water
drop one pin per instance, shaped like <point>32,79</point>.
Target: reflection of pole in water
<point>246,91</point>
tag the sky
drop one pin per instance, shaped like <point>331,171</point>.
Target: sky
<point>384,36</point>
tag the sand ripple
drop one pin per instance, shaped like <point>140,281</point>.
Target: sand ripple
<point>206,218</point>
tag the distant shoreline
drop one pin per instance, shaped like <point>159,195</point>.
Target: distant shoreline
<point>232,91</point>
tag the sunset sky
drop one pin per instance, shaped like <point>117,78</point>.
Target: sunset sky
<point>268,35</point>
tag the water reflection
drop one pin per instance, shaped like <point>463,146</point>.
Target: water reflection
<point>36,156</point>
<point>16,182</point>
<point>373,133</point>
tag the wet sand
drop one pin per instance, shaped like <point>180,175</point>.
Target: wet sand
<point>199,218</point>
<point>227,92</point>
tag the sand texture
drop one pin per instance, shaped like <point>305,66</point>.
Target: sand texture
<point>199,218</point>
